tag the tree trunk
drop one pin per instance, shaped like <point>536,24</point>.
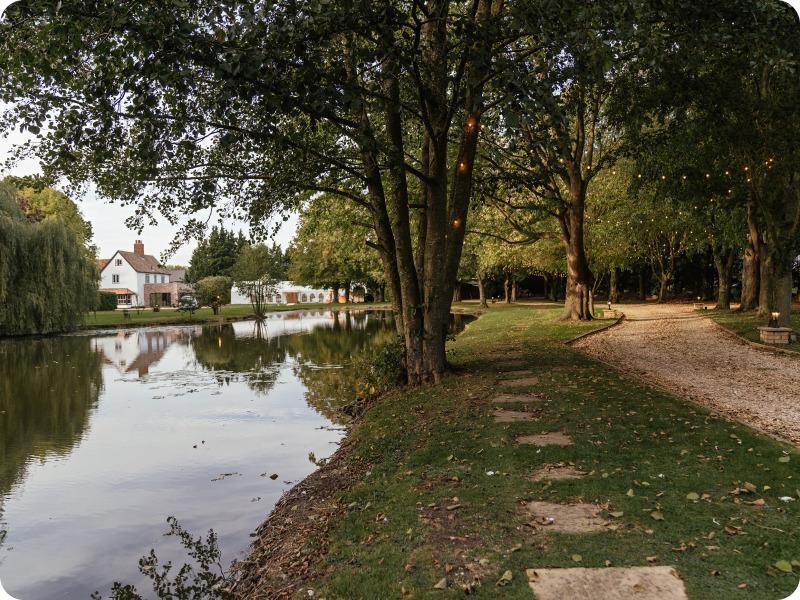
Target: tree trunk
<point>776,290</point>
<point>751,264</point>
<point>457,292</point>
<point>663,282</point>
<point>507,290</point>
<point>514,290</point>
<point>482,292</point>
<point>613,293</point>
<point>577,302</point>
<point>723,261</point>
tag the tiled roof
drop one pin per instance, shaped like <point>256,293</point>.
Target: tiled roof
<point>102,262</point>
<point>118,291</point>
<point>143,263</point>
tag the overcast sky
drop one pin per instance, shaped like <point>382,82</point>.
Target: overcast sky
<point>108,220</point>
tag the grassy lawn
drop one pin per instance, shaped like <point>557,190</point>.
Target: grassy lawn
<point>427,504</point>
<point>747,324</point>
<point>171,316</point>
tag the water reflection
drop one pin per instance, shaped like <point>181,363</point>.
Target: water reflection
<point>105,435</point>
<point>48,388</point>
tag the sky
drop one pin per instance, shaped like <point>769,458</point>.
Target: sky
<point>108,220</point>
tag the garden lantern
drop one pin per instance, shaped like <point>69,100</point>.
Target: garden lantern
<point>774,316</point>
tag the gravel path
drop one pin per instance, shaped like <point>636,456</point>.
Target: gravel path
<point>677,348</point>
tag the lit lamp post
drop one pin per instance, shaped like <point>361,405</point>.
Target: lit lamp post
<point>773,321</point>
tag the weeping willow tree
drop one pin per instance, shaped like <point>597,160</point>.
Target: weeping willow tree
<point>48,277</point>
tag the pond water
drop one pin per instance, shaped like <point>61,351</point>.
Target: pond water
<point>105,435</point>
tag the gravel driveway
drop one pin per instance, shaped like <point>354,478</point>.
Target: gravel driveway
<point>681,350</point>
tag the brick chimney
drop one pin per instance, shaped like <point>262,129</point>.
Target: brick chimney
<point>138,248</point>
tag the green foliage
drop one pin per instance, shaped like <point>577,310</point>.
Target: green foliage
<point>214,291</point>
<point>380,368</point>
<point>331,246</point>
<point>38,204</point>
<point>215,254</point>
<point>206,580</point>
<point>106,301</point>
<point>256,273</point>
<point>48,278</point>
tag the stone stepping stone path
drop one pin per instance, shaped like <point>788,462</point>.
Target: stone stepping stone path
<point>513,416</point>
<point>556,471</point>
<point>517,373</point>
<point>611,583</point>
<point>523,382</point>
<point>553,438</point>
<point>515,398</point>
<point>512,364</point>
<point>565,518</point>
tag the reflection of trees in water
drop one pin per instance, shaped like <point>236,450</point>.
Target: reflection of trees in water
<point>318,352</point>
<point>48,388</point>
<point>323,354</point>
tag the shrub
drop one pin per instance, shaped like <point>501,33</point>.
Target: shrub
<point>383,368</point>
<point>106,301</point>
<point>213,291</point>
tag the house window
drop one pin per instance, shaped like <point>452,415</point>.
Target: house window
<point>123,299</point>
<point>115,279</point>
<point>118,262</point>
<point>303,298</point>
<point>312,298</point>
<point>147,278</point>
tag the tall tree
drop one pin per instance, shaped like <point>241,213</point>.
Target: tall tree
<point>48,278</point>
<point>215,254</point>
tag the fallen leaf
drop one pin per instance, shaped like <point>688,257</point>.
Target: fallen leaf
<point>784,459</point>
<point>784,565</point>
<point>630,493</point>
<point>505,578</point>
<point>692,496</point>
<point>616,514</point>
<point>577,558</point>
<point>652,558</point>
<point>657,515</point>
<point>442,584</point>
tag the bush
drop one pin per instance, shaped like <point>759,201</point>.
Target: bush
<point>213,291</point>
<point>106,301</point>
<point>383,368</point>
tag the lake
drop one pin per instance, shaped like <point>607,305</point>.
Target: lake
<point>104,435</point>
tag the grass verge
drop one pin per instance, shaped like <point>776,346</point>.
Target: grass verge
<point>746,325</point>
<point>435,484</point>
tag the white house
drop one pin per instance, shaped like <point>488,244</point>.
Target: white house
<point>287,292</point>
<point>138,279</point>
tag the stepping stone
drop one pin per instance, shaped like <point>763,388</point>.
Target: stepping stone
<point>565,518</point>
<point>612,583</point>
<point>554,438</point>
<point>556,471</point>
<point>517,373</point>
<point>525,381</point>
<point>511,364</point>
<point>512,416</point>
<point>514,398</point>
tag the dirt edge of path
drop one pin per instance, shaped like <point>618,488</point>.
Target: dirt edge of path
<point>287,545</point>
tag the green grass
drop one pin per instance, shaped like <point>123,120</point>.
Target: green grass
<point>747,324</point>
<point>425,447</point>
<point>165,316</point>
